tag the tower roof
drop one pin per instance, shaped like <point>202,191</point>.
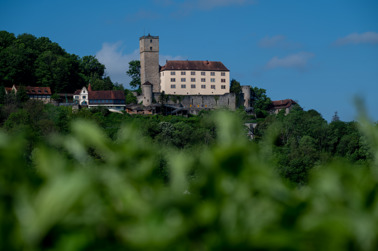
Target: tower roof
<point>148,37</point>
<point>194,65</point>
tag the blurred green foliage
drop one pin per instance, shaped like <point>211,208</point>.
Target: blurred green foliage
<point>86,189</point>
<point>305,140</point>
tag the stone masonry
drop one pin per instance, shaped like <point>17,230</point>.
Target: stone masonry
<point>149,61</point>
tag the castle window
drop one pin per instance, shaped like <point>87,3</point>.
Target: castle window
<point>183,86</point>
<point>173,73</point>
<point>173,86</point>
<point>212,86</point>
<point>223,80</point>
<point>203,73</point>
<point>203,79</point>
<point>192,80</point>
<point>183,79</point>
<point>193,86</point>
<point>150,48</point>
<point>223,87</point>
<point>173,80</point>
<point>212,73</point>
<point>193,73</point>
<point>203,86</point>
<point>212,80</point>
<point>183,73</point>
<point>223,74</point>
<point>150,40</point>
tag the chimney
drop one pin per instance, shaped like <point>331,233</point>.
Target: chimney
<point>89,87</point>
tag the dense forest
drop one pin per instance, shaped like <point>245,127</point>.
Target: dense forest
<point>29,61</point>
<point>90,179</point>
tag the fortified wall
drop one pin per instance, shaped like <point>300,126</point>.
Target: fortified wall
<point>205,101</point>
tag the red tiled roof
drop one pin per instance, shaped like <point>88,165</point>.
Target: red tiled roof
<point>194,65</point>
<point>8,89</point>
<point>77,92</point>
<point>106,95</point>
<point>35,90</point>
<point>285,103</point>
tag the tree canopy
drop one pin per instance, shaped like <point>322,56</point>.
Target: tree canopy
<point>29,61</point>
<point>134,73</point>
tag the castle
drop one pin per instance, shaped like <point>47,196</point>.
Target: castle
<point>198,84</point>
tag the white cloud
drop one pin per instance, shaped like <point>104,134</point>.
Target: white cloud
<point>298,61</point>
<point>117,62</point>
<point>356,38</point>
<point>278,41</point>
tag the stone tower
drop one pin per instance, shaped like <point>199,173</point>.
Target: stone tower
<point>147,93</point>
<point>149,61</point>
<point>246,90</point>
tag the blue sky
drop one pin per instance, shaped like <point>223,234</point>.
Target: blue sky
<point>319,53</point>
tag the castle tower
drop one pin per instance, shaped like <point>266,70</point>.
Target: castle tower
<point>147,93</point>
<point>149,61</point>
<point>246,90</point>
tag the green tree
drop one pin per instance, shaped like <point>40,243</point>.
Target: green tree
<point>260,102</point>
<point>130,97</point>
<point>235,87</point>
<point>98,84</point>
<point>91,68</point>
<point>134,73</point>
<point>6,39</point>
<point>21,95</point>
<point>2,94</point>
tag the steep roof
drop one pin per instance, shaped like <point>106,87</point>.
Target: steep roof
<point>285,103</point>
<point>77,92</point>
<point>194,65</point>
<point>34,90</point>
<point>106,95</point>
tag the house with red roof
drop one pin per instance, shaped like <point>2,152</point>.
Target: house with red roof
<point>185,77</point>
<point>285,104</point>
<point>111,99</point>
<point>37,93</point>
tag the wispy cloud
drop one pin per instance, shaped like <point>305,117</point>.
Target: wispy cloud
<point>358,38</point>
<point>298,61</point>
<point>116,61</point>
<point>278,41</point>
